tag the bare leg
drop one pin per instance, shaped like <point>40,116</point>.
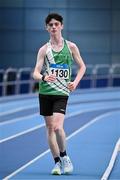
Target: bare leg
<point>60,133</point>
<point>57,143</point>
<point>52,136</point>
<point>56,134</point>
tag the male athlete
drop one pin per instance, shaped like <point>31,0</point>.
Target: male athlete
<point>56,57</point>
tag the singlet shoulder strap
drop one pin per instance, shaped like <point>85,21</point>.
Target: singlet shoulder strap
<point>48,44</point>
<point>49,53</point>
<point>67,43</point>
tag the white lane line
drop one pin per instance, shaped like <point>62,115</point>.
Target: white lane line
<point>30,116</point>
<point>69,137</point>
<point>85,110</point>
<point>33,129</point>
<point>112,161</point>
<point>17,109</point>
<point>39,126</point>
<point>26,165</point>
<point>92,122</point>
<point>19,97</point>
<point>19,119</point>
<point>34,114</point>
<point>22,133</point>
<point>81,91</point>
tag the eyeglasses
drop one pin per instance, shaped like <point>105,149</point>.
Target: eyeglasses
<point>53,24</point>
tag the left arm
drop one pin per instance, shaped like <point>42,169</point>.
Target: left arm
<point>81,66</point>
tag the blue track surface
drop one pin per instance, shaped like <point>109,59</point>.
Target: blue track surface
<point>92,126</point>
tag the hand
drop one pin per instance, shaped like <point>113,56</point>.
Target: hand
<point>50,78</point>
<point>71,86</point>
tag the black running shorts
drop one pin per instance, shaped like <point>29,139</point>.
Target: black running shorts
<point>52,103</point>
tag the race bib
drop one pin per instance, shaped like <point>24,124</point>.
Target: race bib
<point>60,70</point>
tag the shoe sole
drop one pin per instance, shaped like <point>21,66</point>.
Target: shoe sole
<point>56,173</point>
<point>68,172</point>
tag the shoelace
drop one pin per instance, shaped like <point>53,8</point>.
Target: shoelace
<point>66,162</point>
<point>58,165</point>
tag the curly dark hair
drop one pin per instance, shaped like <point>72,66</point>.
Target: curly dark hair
<point>56,16</point>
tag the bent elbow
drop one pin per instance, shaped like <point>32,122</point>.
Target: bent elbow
<point>85,68</point>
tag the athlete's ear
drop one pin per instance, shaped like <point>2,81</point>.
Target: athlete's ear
<point>46,27</point>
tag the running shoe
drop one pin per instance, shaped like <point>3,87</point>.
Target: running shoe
<point>57,170</point>
<point>67,165</point>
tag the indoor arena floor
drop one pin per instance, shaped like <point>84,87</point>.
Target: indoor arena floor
<point>92,126</point>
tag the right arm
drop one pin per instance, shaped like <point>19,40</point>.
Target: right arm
<point>39,64</point>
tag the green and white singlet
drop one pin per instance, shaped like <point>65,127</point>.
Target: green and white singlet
<point>58,63</point>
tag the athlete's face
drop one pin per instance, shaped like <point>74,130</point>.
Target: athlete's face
<point>54,26</point>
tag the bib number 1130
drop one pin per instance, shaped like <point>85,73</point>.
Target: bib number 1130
<point>60,70</point>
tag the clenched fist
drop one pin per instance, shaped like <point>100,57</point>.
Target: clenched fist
<point>71,86</point>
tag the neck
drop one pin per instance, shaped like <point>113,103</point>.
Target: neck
<point>56,40</point>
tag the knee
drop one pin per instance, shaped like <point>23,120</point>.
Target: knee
<point>50,129</point>
<point>58,126</point>
<point>58,129</point>
<point>55,127</point>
